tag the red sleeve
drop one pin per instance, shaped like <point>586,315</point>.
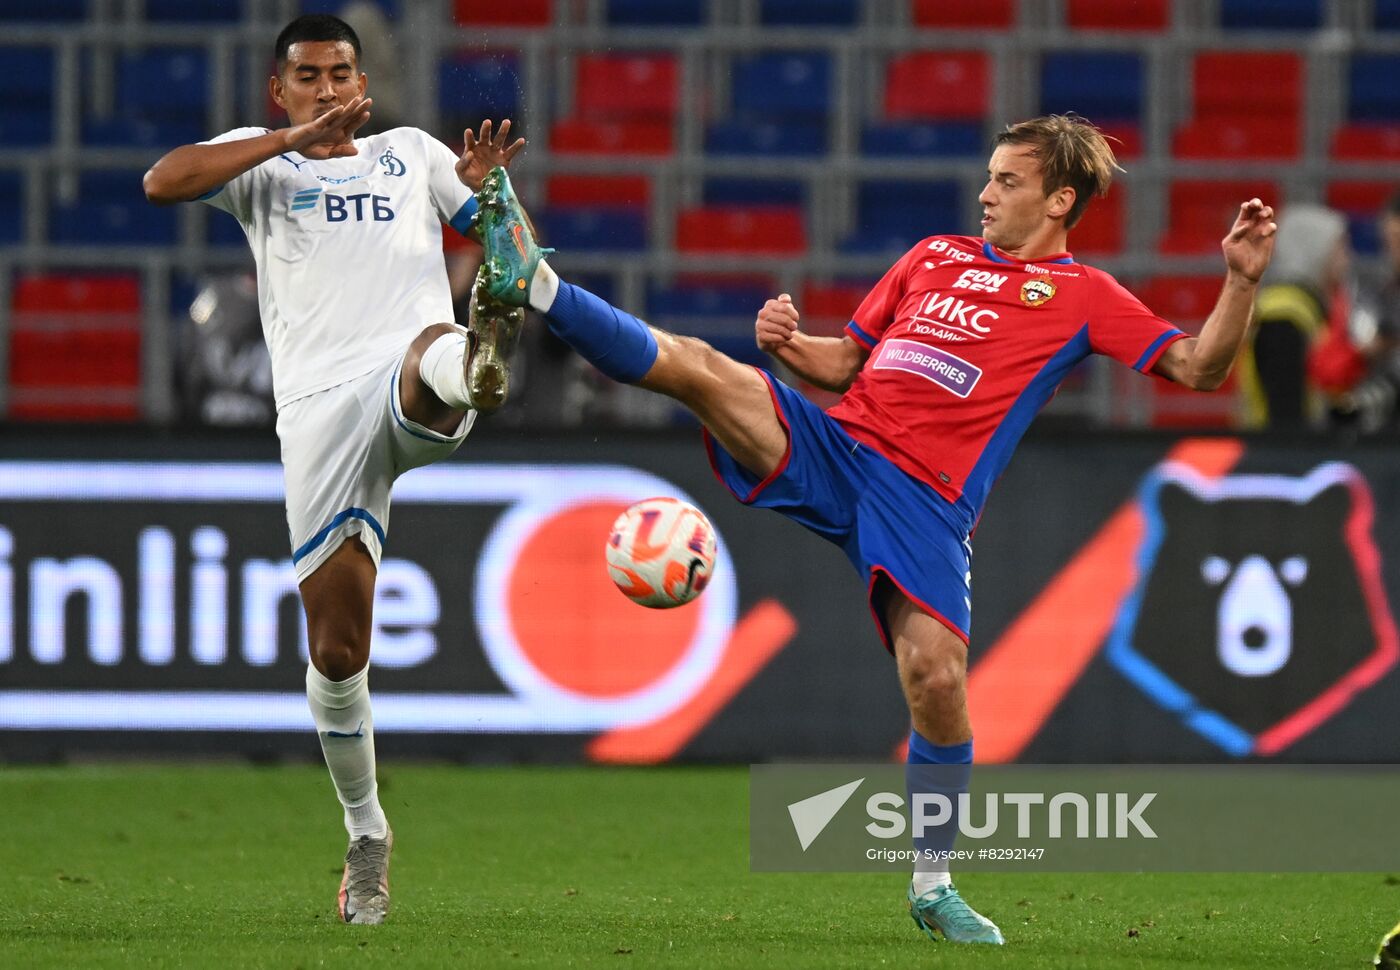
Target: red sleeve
<point>876,312</point>
<point>1122,328</point>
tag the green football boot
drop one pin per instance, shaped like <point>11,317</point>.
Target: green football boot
<point>512,255</point>
<point>493,329</point>
<point>945,911</point>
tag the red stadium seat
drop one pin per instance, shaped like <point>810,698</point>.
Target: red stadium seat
<point>75,348</point>
<point>493,13</point>
<point>1247,85</point>
<point>626,87</point>
<point>1367,142</point>
<point>1235,138</point>
<point>1184,300</point>
<point>1126,139</point>
<point>1200,213</point>
<point>580,137</point>
<point>1100,231</point>
<point>943,86</point>
<point>964,13</point>
<point>1117,15</point>
<point>750,229</point>
<point>1360,198</point>
<point>599,190</point>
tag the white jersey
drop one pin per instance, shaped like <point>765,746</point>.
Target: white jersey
<point>349,252</point>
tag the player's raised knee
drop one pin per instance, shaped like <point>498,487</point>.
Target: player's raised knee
<point>938,679</point>
<point>337,658</point>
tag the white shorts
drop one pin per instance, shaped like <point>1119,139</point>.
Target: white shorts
<point>342,448</point>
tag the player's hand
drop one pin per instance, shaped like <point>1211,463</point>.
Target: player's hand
<point>776,323</point>
<point>333,134</point>
<point>1250,244</point>
<point>485,153</point>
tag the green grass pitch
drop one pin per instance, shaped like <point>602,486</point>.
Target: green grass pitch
<point>237,866</point>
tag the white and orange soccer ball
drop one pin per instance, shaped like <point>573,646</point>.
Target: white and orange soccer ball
<point>661,552</point>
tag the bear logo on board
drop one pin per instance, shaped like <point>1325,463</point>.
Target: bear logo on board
<point>1259,610</point>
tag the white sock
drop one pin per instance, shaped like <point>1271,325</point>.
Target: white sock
<point>927,882</point>
<point>544,287</point>
<point>441,369</point>
<point>346,728</point>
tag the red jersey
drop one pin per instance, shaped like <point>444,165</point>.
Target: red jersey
<point>968,344</point>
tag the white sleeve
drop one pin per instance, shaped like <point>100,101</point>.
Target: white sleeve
<point>234,197</point>
<point>454,202</point>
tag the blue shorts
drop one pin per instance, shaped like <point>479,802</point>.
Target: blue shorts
<point>885,520</point>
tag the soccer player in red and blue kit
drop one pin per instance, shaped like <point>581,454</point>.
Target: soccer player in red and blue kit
<point>943,367</point>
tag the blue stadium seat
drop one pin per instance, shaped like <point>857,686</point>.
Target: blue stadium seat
<point>737,191</point>
<point>650,13</point>
<point>1273,15</point>
<point>810,13</point>
<point>892,216</point>
<point>786,85</point>
<point>46,12</point>
<point>770,138</point>
<point>945,140</point>
<point>479,85</point>
<point>183,11</point>
<point>164,82</point>
<point>590,229</point>
<point>11,208</point>
<point>720,313</point>
<point>21,127</point>
<point>111,209</point>
<point>1101,87</point>
<point>123,132</point>
<point>1387,14</point>
<point>222,229</point>
<point>390,7</point>
<point>1375,95</point>
<point>26,96</point>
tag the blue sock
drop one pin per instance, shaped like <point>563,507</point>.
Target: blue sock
<point>936,769</point>
<point>612,340</point>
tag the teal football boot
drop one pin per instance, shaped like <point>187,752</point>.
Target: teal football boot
<point>945,911</point>
<point>512,255</point>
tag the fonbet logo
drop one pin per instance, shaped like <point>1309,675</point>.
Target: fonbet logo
<point>980,280</point>
<point>1102,815</point>
<point>176,594</point>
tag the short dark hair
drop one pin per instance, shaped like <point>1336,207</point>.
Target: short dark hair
<point>312,27</point>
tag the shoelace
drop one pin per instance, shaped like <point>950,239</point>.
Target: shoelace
<point>366,860</point>
<point>952,908</point>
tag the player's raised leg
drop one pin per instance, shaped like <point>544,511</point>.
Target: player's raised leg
<point>933,673</point>
<point>730,398</point>
<point>339,600</point>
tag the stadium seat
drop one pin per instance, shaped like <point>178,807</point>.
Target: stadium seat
<point>493,13</point>
<point>1363,142</point>
<point>111,209</point>
<point>1184,300</point>
<point>755,191</point>
<point>577,137</point>
<point>615,191</point>
<point>1246,105</point>
<point>11,208</point>
<point>781,102</point>
<point>1117,15</point>
<point>626,87</point>
<point>596,212</point>
<point>1375,95</point>
<point>892,216</point>
<point>161,82</point>
<point>182,11</point>
<point>1100,231</point>
<point>50,11</point>
<point>938,86</point>
<point>1387,14</point>
<point>390,7</point>
<point>964,13</point>
<point>1200,213</point>
<point>1230,138</point>
<point>1273,15</point>
<point>136,132</point>
<point>1362,203</point>
<point>946,140</point>
<point>774,230</point>
<point>75,347</point>
<point>1126,139</point>
<point>809,13</point>
<point>26,96</point>
<point>720,311</point>
<point>826,308</point>
<point>1099,86</point>
<point>768,138</point>
<point>649,13</point>
<point>475,85</point>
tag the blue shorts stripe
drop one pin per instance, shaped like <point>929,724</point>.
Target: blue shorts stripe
<point>315,541</point>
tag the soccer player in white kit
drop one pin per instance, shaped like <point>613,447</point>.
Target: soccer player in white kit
<point>370,380</point>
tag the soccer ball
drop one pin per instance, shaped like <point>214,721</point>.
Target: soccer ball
<point>661,552</point>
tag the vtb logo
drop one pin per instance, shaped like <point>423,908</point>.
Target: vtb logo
<point>1259,611</point>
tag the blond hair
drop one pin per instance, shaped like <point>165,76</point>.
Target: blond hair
<point>1071,151</point>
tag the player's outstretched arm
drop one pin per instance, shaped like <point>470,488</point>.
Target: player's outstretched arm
<point>190,171</point>
<point>831,363</point>
<point>1202,363</point>
<point>483,154</point>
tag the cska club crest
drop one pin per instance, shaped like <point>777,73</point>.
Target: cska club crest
<point>1037,291</point>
